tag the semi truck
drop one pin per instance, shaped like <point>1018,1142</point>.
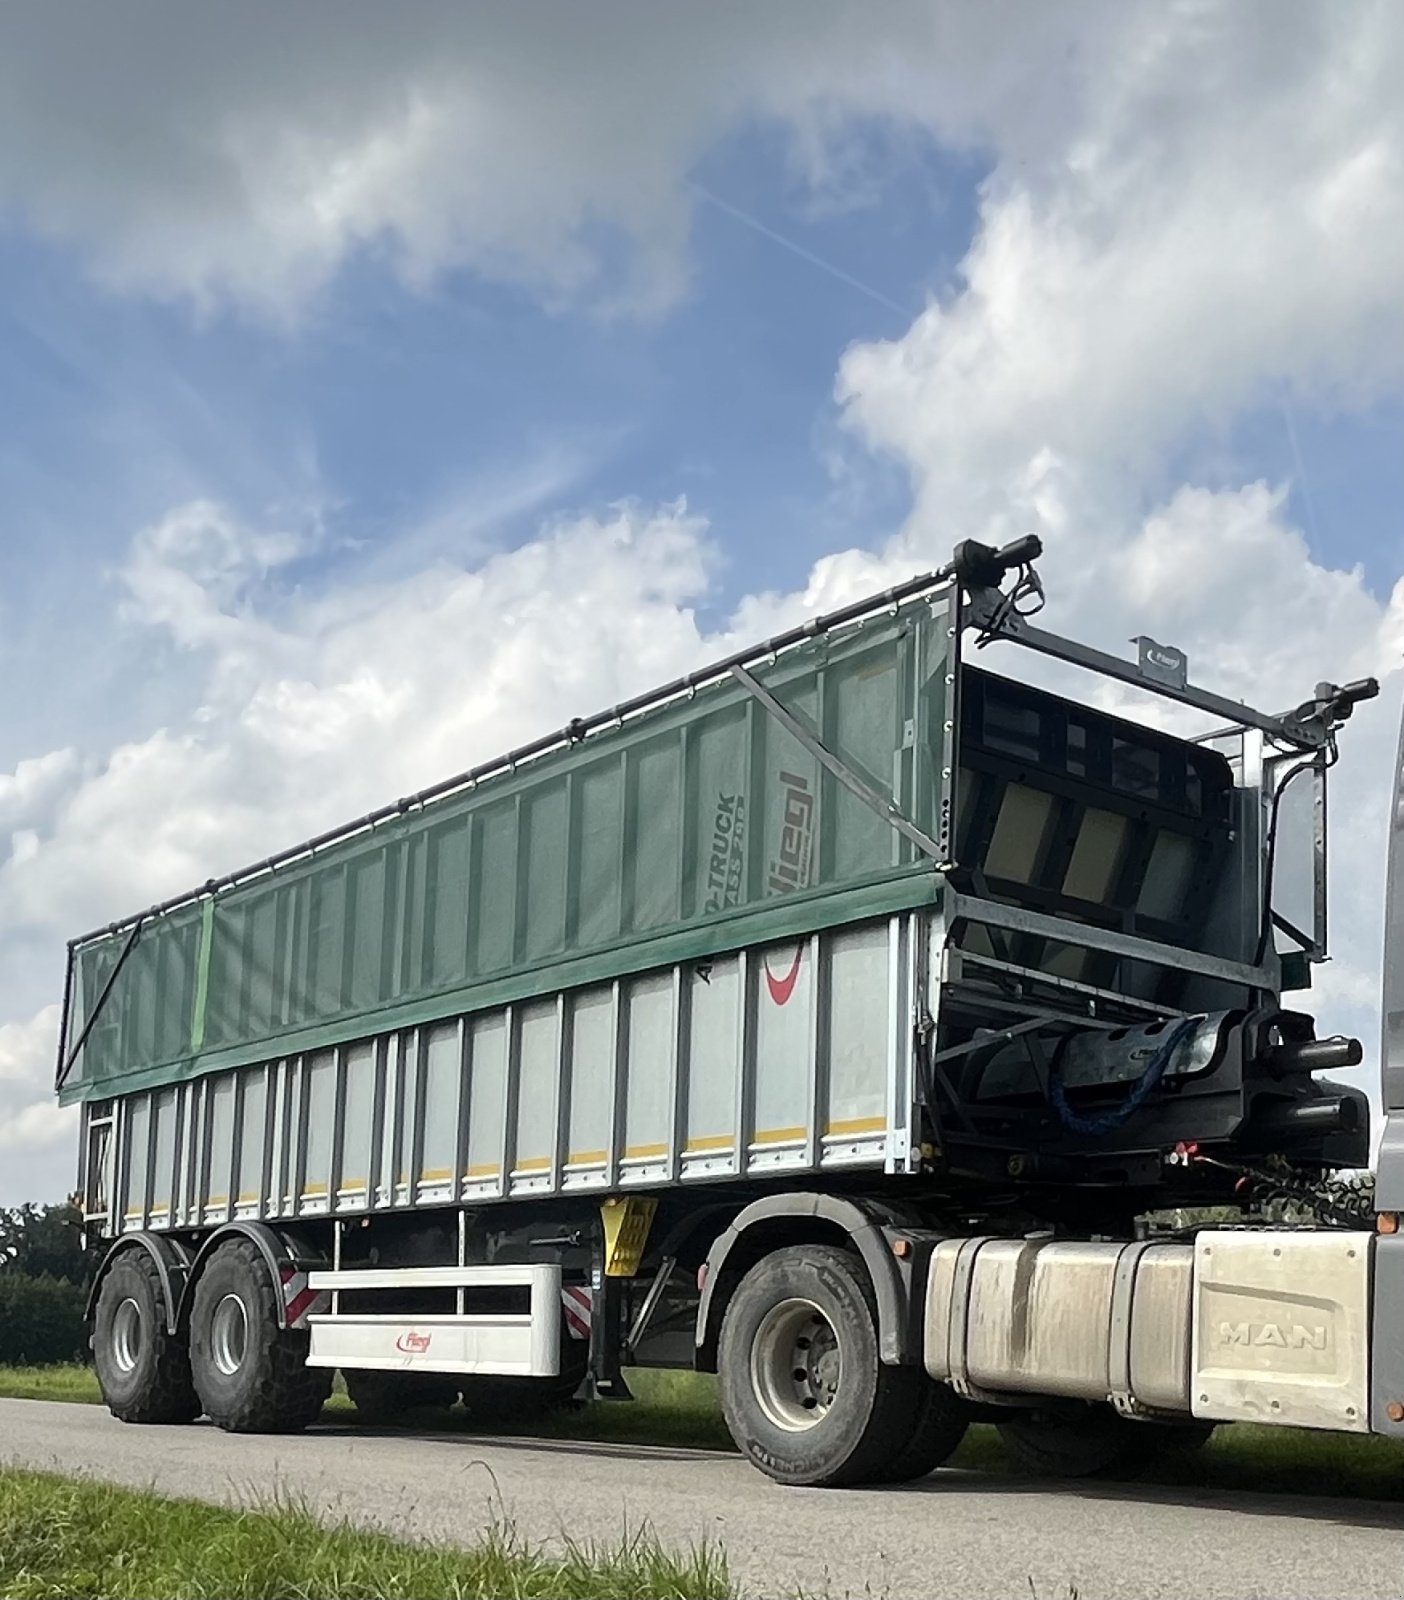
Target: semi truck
<point>845,1019</point>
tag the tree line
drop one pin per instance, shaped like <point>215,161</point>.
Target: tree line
<point>43,1286</point>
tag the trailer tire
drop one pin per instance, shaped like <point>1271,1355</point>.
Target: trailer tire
<point>804,1392</point>
<point>942,1418</point>
<point>143,1369</point>
<point>250,1374</point>
<point>1070,1444</point>
<point>385,1397</point>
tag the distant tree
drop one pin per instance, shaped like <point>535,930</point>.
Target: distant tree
<point>43,1241</point>
<point>41,1321</point>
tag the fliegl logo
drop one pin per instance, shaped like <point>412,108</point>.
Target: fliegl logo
<point>412,1343</point>
<point>793,865</point>
<point>783,986</point>
<point>791,868</point>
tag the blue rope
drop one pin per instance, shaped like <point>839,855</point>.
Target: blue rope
<point>1144,1087</point>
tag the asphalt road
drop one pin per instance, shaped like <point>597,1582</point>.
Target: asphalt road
<point>958,1534</point>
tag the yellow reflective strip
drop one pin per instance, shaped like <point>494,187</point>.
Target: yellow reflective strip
<point>436,1175</point>
<point>217,1200</point>
<point>486,1169</point>
<point>247,1199</point>
<point>778,1135</point>
<point>639,1152</point>
<point>587,1158</point>
<point>857,1125</point>
<point>314,1191</point>
<point>533,1163</point>
<point>711,1141</point>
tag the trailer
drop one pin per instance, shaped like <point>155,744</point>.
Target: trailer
<point>833,1019</point>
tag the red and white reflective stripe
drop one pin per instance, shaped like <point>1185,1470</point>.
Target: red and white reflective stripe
<point>576,1300</point>
<point>298,1300</point>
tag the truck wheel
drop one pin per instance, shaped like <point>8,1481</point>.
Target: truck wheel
<point>803,1390</point>
<point>1183,1438</point>
<point>249,1372</point>
<point>1070,1444</point>
<point>382,1397</point>
<point>941,1421</point>
<point>143,1369</point>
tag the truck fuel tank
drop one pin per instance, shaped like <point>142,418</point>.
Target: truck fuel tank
<point>1262,1325</point>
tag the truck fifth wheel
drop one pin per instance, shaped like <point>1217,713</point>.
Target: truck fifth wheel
<point>830,1018</point>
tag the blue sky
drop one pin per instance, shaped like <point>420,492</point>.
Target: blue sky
<point>330,353</point>
<point>391,410</point>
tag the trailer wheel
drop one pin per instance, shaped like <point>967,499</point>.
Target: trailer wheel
<point>1070,1444</point>
<point>143,1369</point>
<point>803,1391</point>
<point>250,1373</point>
<point>942,1418</point>
<point>384,1397</point>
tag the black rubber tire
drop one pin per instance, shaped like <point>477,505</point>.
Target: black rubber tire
<point>271,1390</point>
<point>156,1388</point>
<point>1160,1441</point>
<point>1071,1444</point>
<point>386,1397</point>
<point>873,1404</point>
<point>942,1418</point>
<point>1185,1438</point>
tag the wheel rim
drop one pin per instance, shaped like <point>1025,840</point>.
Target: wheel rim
<point>796,1365</point>
<point>126,1336</point>
<point>229,1334</point>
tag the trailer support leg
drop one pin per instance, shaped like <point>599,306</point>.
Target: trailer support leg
<point>604,1380</point>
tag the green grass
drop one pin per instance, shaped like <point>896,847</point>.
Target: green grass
<point>67,1382</point>
<point>680,1409</point>
<point>71,1537</point>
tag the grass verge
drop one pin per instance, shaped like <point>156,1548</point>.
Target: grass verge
<point>71,1537</point>
<point>66,1382</point>
<point>680,1409</point>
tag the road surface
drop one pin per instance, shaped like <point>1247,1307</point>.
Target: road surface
<point>958,1534</point>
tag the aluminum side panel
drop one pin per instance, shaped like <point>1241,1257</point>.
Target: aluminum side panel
<point>794,1057</point>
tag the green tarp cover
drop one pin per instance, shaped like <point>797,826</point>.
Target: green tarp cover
<point>699,826</point>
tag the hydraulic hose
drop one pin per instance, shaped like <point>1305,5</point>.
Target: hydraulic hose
<point>1109,1121</point>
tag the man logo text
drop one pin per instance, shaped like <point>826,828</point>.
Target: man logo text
<point>1293,1337</point>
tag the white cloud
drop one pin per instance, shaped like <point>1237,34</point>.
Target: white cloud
<point>38,1153</point>
<point>1216,224</point>
<point>245,156</point>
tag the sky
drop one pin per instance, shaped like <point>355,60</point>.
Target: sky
<point>381,387</point>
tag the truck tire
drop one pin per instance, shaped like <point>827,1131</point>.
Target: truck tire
<point>1071,1444</point>
<point>142,1368</point>
<point>385,1397</point>
<point>941,1422</point>
<point>250,1374</point>
<point>803,1390</point>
